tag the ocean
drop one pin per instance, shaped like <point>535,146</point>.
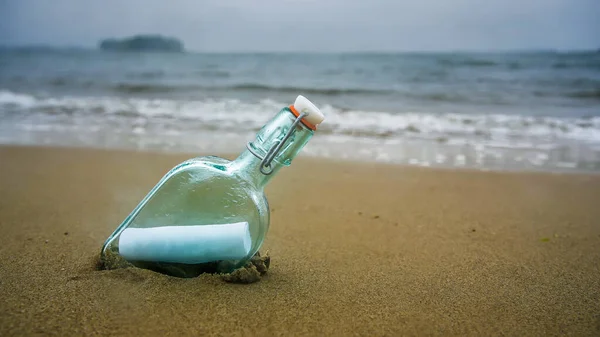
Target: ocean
<point>490,111</point>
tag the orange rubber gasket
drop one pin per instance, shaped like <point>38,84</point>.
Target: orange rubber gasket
<point>304,121</point>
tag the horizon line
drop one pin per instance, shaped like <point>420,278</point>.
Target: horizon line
<point>365,51</point>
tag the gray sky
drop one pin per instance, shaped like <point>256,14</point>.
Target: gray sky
<point>310,25</point>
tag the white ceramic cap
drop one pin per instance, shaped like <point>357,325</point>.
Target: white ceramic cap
<point>315,116</point>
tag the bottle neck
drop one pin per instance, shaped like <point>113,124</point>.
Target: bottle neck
<point>249,163</point>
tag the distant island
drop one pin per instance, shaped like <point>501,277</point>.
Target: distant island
<point>143,43</point>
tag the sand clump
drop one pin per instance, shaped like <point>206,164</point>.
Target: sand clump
<point>251,272</point>
<point>111,260</point>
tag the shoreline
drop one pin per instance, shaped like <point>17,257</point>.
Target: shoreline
<point>230,154</point>
<point>357,249</point>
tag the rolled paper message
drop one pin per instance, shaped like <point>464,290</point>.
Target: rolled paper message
<point>186,244</point>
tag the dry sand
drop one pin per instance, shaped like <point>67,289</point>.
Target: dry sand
<point>357,249</point>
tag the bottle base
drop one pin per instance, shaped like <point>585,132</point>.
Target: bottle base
<point>236,273</point>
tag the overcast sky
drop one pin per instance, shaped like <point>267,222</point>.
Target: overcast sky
<point>310,25</point>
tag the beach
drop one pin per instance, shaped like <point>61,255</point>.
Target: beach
<point>369,249</point>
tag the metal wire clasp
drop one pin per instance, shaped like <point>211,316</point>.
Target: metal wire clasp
<point>265,164</point>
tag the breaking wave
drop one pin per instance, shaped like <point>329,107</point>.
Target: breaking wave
<point>232,114</point>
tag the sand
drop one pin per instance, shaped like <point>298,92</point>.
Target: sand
<point>356,249</point>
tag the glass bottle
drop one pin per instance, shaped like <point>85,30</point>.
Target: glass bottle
<point>209,214</point>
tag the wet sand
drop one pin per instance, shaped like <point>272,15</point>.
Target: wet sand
<point>357,249</point>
